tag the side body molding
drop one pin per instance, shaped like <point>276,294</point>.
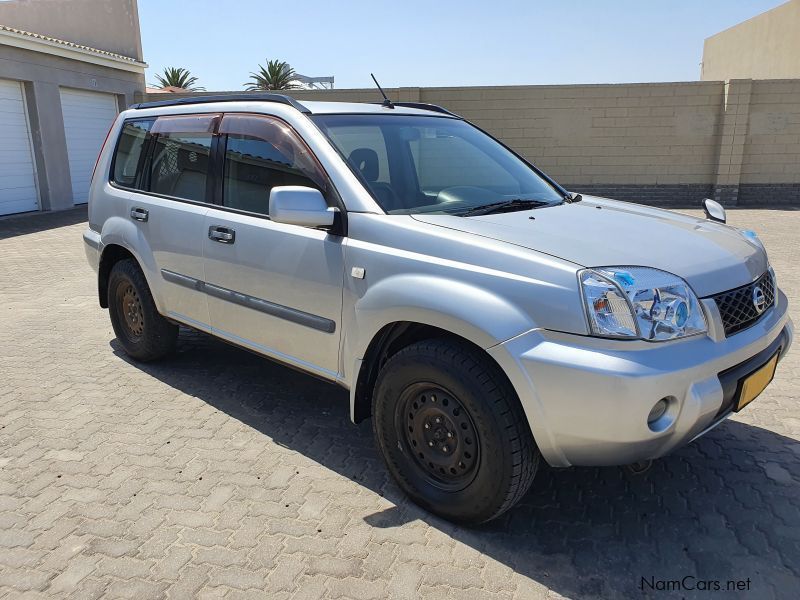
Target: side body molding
<point>276,310</point>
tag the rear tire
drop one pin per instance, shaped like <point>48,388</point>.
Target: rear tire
<point>143,333</point>
<point>452,431</point>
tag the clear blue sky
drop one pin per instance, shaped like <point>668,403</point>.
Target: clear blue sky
<point>414,43</point>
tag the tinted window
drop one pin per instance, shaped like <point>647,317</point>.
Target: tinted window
<point>364,146</point>
<point>128,154</point>
<point>262,153</point>
<point>180,159</point>
<point>415,164</point>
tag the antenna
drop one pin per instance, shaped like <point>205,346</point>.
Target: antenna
<point>386,102</point>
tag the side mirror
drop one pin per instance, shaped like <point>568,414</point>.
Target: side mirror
<point>298,205</point>
<point>714,210</point>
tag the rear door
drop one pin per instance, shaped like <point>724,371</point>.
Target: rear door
<point>272,287</point>
<point>167,187</point>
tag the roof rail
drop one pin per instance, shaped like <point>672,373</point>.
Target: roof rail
<point>280,98</point>
<point>423,106</point>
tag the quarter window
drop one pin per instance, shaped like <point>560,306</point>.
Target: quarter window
<point>128,155</point>
<point>262,153</point>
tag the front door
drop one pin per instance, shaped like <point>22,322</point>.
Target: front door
<point>273,287</point>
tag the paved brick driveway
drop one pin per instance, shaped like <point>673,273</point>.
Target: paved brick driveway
<point>218,474</point>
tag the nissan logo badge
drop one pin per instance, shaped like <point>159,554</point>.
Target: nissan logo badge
<point>759,299</point>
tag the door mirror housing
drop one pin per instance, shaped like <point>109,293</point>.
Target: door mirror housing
<point>299,205</point>
<point>714,210</point>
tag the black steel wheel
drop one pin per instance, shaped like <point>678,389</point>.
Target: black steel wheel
<point>452,431</point>
<point>143,333</point>
<point>439,433</point>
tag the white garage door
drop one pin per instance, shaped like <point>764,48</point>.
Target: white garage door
<point>87,118</point>
<point>17,174</point>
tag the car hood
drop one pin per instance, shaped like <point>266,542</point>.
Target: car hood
<point>597,232</point>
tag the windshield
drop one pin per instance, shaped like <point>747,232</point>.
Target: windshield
<point>419,164</point>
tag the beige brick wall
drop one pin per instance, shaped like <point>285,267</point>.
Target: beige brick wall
<point>341,95</point>
<point>602,134</point>
<point>772,146</point>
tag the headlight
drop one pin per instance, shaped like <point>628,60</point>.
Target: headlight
<point>639,302</point>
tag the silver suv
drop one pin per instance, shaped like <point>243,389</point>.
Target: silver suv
<point>480,314</point>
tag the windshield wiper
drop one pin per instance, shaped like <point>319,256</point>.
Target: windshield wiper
<point>504,206</point>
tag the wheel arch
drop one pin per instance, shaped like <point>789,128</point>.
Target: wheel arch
<point>389,340</point>
<point>403,308</point>
<point>112,254</point>
<point>120,239</point>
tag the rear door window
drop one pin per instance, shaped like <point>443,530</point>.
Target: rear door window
<point>180,160</point>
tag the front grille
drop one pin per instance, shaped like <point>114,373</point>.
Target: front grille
<point>737,308</point>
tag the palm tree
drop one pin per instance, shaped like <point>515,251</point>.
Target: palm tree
<point>179,78</point>
<point>277,75</point>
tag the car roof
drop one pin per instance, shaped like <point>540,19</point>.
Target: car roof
<point>332,108</point>
<point>307,107</point>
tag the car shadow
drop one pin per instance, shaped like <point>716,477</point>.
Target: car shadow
<point>14,225</point>
<point>726,507</point>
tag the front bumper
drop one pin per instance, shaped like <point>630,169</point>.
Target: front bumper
<point>588,399</point>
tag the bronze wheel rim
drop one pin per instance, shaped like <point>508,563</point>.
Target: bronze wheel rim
<point>130,305</point>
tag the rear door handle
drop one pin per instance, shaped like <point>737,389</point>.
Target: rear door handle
<point>139,214</point>
<point>223,235</point>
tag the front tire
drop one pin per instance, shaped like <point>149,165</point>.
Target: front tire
<point>144,334</point>
<point>452,431</point>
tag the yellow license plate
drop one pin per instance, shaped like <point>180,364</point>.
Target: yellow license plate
<point>755,383</point>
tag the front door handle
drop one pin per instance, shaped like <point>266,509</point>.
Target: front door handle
<point>139,214</point>
<point>223,235</point>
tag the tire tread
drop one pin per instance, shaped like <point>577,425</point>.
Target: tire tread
<point>160,335</point>
<point>503,400</point>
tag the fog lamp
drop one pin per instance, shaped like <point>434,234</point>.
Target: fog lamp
<point>658,411</point>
